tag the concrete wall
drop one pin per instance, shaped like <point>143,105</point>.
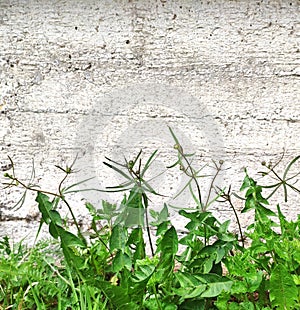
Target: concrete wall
<point>106,78</point>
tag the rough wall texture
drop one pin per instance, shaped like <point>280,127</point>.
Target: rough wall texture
<point>98,78</point>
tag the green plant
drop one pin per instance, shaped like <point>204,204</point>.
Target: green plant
<point>118,265</point>
<point>265,274</point>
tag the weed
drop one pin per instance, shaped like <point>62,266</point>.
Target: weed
<point>208,268</point>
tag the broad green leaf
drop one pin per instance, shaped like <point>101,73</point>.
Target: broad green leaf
<point>143,271</point>
<point>197,216</point>
<point>247,305</point>
<point>44,206</point>
<point>283,290</point>
<point>55,217</point>
<point>118,238</point>
<point>218,250</point>
<point>152,304</point>
<point>254,280</point>
<point>168,247</point>
<point>186,280</point>
<point>193,305</point>
<point>117,295</point>
<point>135,217</point>
<point>121,260</point>
<point>92,210</point>
<point>169,243</point>
<point>191,292</point>
<point>215,284</point>
<point>208,264</point>
<point>162,228</point>
<point>224,227</point>
<point>70,239</point>
<point>136,238</point>
<point>53,230</point>
<point>249,204</point>
<point>246,183</point>
<point>190,286</point>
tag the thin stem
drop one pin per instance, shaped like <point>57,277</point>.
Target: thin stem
<point>147,222</point>
<point>212,183</point>
<point>137,175</point>
<point>237,219</point>
<point>34,189</point>
<point>156,297</point>
<point>74,219</point>
<point>192,175</point>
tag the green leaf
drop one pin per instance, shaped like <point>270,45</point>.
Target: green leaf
<point>169,243</point>
<point>246,183</point>
<point>117,295</point>
<point>121,260</point>
<point>44,206</point>
<point>143,271</point>
<point>70,245</point>
<point>162,228</point>
<point>148,163</point>
<point>173,135</point>
<point>296,279</point>
<point>283,290</point>
<point>193,305</point>
<point>197,216</point>
<point>168,247</point>
<point>215,284</point>
<point>55,217</point>
<point>53,230</point>
<point>117,170</point>
<point>70,239</point>
<point>250,282</point>
<point>186,280</point>
<point>136,238</point>
<point>118,238</point>
<point>160,217</point>
<point>206,285</point>
<point>247,305</point>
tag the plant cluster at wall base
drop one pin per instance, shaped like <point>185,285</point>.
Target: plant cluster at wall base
<point>117,265</point>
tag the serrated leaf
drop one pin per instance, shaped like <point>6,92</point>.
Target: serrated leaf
<point>283,290</point>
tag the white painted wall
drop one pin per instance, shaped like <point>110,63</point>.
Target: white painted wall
<point>98,78</point>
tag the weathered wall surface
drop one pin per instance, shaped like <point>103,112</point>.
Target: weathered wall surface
<point>98,78</point>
